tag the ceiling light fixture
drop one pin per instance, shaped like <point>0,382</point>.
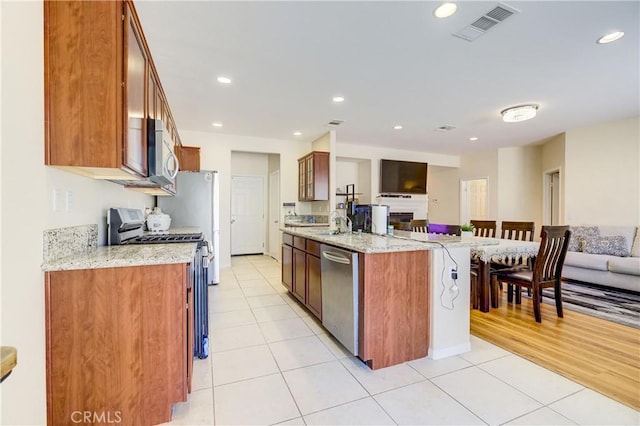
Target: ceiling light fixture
<point>224,80</point>
<point>338,99</point>
<point>473,138</point>
<point>519,113</point>
<point>608,38</point>
<point>397,127</point>
<point>445,10</point>
<point>296,133</point>
<point>216,124</point>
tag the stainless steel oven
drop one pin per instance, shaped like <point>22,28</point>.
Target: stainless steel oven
<point>125,226</point>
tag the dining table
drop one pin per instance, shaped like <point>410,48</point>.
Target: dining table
<point>506,251</point>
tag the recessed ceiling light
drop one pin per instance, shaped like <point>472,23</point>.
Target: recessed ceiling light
<point>216,124</point>
<point>224,80</point>
<point>445,10</point>
<point>608,38</point>
<point>397,127</point>
<point>297,133</point>
<point>519,113</point>
<point>473,138</point>
<point>338,99</point>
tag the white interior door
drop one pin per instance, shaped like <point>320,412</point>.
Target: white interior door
<point>247,215</point>
<point>274,215</point>
<point>552,198</point>
<point>473,199</point>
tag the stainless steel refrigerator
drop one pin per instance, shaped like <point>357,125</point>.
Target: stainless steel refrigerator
<point>197,203</point>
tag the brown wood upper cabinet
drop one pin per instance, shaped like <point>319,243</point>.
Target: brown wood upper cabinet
<point>188,157</point>
<point>313,177</point>
<point>100,87</point>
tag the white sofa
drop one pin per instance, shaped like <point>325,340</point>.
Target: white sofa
<point>598,255</point>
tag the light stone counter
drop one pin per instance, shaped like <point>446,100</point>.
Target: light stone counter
<point>125,255</point>
<point>400,241</point>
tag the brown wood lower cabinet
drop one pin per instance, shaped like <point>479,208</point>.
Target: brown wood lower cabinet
<point>301,262</point>
<point>117,343</point>
<point>287,266</point>
<point>300,275</point>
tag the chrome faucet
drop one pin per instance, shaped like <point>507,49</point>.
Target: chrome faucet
<point>341,222</point>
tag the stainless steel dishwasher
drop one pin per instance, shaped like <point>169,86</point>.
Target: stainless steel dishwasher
<point>340,295</point>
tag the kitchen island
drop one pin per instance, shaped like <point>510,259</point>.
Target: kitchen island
<point>413,291</point>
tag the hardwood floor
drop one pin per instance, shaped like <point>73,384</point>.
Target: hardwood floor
<point>600,355</point>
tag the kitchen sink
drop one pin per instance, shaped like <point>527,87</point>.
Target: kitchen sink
<point>325,232</point>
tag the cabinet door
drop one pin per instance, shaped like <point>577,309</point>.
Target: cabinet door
<point>287,266</point>
<point>321,176</point>
<point>135,139</point>
<point>314,286</point>
<point>302,180</point>
<point>190,323</point>
<point>152,102</point>
<point>189,157</point>
<point>310,193</point>
<point>299,274</point>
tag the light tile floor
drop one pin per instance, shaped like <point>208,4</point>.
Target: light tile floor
<point>271,362</point>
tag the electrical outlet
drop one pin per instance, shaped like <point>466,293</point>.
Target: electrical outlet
<point>453,272</point>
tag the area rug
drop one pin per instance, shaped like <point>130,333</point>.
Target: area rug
<point>601,302</point>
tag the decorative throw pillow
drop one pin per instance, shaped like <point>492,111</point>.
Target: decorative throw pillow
<point>579,234</point>
<point>615,245</point>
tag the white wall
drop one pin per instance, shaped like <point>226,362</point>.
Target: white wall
<point>215,154</point>
<point>444,186</point>
<point>553,152</point>
<point>375,154</point>
<point>602,184</point>
<point>520,184</point>
<point>27,188</point>
<point>444,194</point>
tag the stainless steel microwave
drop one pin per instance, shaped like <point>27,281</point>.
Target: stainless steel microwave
<point>162,162</point>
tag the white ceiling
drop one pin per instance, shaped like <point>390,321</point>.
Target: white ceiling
<point>395,64</point>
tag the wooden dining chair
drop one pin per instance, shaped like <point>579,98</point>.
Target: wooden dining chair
<point>547,269</point>
<point>511,230</point>
<point>437,228</point>
<point>484,228</point>
<point>419,225</point>
<point>522,231</point>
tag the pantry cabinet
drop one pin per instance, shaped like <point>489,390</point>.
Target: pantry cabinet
<point>119,342</point>
<point>100,87</point>
<point>313,177</point>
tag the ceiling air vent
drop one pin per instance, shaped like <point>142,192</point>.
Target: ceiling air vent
<point>445,128</point>
<point>335,122</point>
<point>487,21</point>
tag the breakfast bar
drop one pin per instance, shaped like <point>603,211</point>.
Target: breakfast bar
<point>413,290</point>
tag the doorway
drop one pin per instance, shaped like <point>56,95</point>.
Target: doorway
<point>274,214</point>
<point>247,215</point>
<point>552,197</point>
<point>473,199</point>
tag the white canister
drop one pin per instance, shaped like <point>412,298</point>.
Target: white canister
<point>379,219</point>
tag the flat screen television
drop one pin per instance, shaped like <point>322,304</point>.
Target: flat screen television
<point>403,177</point>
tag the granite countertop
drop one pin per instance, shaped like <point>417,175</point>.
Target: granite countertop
<point>400,241</point>
<point>305,224</point>
<point>125,255</point>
